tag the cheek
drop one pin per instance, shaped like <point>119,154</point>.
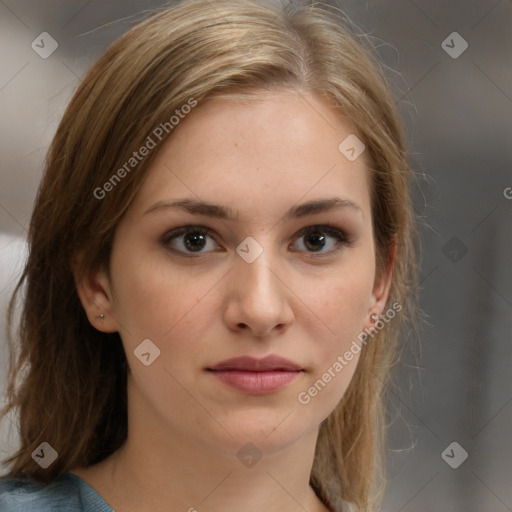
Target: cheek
<point>341,305</point>
<point>155,300</point>
<point>345,314</point>
<point>341,300</point>
<point>172,308</point>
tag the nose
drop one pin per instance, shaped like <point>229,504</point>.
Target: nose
<point>258,297</point>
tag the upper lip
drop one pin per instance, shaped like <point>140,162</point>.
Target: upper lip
<point>247,363</point>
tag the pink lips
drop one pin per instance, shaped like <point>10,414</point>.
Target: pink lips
<point>256,376</point>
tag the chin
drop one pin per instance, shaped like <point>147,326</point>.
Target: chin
<point>259,432</point>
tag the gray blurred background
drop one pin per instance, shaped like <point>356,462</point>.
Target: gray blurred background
<point>456,103</point>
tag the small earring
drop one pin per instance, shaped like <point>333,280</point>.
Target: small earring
<point>374,317</point>
<point>101,317</point>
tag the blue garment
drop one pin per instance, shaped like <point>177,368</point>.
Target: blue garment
<point>68,493</point>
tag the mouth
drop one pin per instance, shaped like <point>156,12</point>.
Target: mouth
<point>256,376</point>
<point>267,364</point>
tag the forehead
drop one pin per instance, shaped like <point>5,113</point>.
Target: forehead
<point>276,149</point>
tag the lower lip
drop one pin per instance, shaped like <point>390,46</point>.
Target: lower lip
<point>256,383</point>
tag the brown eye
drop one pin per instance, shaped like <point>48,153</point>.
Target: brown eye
<point>316,238</point>
<point>189,240</point>
<point>314,241</point>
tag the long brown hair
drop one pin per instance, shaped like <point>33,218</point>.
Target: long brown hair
<point>67,380</point>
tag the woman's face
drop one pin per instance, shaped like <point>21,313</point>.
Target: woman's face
<point>282,265</point>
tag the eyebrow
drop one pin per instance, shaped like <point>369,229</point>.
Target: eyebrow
<point>223,212</point>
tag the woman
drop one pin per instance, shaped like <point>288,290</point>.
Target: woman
<point>221,262</point>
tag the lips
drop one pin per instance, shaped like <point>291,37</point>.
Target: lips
<point>256,376</point>
<point>251,364</point>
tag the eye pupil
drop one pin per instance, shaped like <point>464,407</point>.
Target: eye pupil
<point>316,238</point>
<point>194,240</point>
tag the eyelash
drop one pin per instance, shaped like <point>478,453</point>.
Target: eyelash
<point>328,229</point>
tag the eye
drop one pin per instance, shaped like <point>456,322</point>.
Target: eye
<point>316,238</point>
<point>189,240</point>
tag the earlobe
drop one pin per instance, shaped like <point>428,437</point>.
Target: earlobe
<point>94,291</point>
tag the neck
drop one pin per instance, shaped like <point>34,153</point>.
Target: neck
<point>184,478</point>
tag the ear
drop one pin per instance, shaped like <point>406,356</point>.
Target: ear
<point>95,293</point>
<point>381,287</point>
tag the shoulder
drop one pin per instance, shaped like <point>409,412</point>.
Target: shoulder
<point>27,495</point>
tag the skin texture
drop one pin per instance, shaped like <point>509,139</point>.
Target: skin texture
<point>185,426</point>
